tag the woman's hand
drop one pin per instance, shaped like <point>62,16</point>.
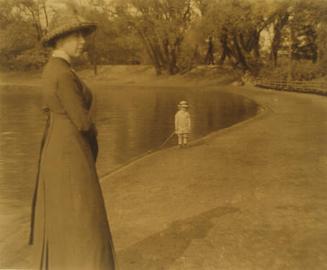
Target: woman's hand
<point>91,137</point>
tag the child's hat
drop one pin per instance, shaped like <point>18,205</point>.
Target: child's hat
<point>183,104</point>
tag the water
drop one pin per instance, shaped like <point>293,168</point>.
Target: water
<point>130,121</point>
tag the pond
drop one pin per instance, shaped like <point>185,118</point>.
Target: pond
<point>130,120</point>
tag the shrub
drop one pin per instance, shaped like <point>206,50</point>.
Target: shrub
<point>301,70</point>
<point>31,59</point>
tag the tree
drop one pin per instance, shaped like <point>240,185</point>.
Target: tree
<point>237,25</point>
<point>209,59</point>
<point>33,12</point>
<point>115,41</point>
<point>279,22</point>
<point>23,24</point>
<point>161,26</point>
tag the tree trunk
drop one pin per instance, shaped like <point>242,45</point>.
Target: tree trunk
<point>282,20</point>
<point>224,45</point>
<point>156,57</point>
<point>195,58</point>
<point>209,59</point>
<point>94,56</point>
<point>166,53</point>
<point>239,54</point>
<point>275,46</point>
<point>150,52</point>
<point>174,55</point>
<point>45,15</point>
<point>256,45</point>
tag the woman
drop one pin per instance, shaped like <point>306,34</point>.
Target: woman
<point>69,223</point>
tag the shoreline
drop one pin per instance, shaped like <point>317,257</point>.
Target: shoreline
<point>133,75</point>
<point>144,75</point>
<point>250,181</point>
<point>261,111</point>
<point>249,196</point>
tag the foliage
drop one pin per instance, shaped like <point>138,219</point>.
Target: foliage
<point>161,26</point>
<point>177,35</point>
<point>115,42</point>
<point>31,59</point>
<point>20,34</point>
<point>301,70</point>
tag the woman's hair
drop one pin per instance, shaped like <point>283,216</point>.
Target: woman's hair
<point>54,42</point>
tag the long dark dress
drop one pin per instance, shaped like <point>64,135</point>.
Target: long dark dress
<point>69,223</point>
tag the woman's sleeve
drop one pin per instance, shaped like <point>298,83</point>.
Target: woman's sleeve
<point>70,97</point>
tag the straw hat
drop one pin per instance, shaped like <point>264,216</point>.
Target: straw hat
<point>66,23</point>
<point>183,104</point>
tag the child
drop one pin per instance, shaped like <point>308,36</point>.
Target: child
<point>182,124</point>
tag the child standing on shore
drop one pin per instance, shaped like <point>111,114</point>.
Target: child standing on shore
<point>182,124</point>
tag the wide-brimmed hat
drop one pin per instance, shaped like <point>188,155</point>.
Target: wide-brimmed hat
<point>183,104</point>
<point>64,24</point>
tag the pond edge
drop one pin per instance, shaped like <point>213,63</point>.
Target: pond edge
<point>261,112</point>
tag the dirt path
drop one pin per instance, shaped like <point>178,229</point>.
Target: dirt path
<point>249,197</point>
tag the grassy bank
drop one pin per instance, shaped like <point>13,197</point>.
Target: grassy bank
<point>135,74</point>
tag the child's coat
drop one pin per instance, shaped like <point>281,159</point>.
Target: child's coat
<point>182,122</point>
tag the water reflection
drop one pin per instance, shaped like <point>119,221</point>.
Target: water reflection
<point>141,119</point>
<point>131,121</point>
<point>20,128</point>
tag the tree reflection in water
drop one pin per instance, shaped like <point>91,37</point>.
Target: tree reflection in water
<point>130,120</point>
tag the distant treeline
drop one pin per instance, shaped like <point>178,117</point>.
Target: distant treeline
<point>274,37</point>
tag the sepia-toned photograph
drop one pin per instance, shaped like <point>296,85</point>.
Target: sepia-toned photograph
<point>163,134</point>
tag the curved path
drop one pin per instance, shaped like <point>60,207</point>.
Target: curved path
<point>252,196</point>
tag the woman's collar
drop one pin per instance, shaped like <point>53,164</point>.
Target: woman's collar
<point>61,54</point>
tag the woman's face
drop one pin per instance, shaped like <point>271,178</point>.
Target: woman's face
<point>73,44</point>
